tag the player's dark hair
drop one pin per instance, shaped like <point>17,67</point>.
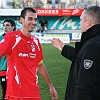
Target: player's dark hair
<point>11,21</point>
<point>28,9</point>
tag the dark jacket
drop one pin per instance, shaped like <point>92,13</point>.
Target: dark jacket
<point>84,75</point>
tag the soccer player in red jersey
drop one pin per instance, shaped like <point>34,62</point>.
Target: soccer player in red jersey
<point>24,59</point>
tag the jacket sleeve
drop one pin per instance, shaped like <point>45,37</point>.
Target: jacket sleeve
<point>68,52</point>
<point>89,74</point>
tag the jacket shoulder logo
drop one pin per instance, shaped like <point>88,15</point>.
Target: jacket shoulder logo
<point>87,63</point>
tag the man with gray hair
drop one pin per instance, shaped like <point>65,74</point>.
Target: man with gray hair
<point>84,75</point>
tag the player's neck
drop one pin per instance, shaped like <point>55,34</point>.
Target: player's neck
<point>25,33</point>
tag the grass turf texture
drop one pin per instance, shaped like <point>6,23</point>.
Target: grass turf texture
<point>58,69</point>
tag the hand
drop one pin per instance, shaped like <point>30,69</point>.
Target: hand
<point>53,93</point>
<point>56,42</point>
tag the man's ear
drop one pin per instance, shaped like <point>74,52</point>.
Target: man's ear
<point>89,22</point>
<point>14,27</point>
<point>21,19</point>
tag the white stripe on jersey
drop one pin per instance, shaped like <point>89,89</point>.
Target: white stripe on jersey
<point>36,41</point>
<point>18,38</point>
<point>16,77</point>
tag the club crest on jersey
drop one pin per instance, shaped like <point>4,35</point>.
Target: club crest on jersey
<point>87,63</point>
<point>33,48</point>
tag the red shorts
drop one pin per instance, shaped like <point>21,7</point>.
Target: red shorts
<point>10,98</point>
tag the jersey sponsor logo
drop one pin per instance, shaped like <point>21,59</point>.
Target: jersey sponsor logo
<point>30,55</point>
<point>23,55</point>
<point>88,64</point>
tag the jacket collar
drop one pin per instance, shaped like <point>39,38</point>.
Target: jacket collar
<point>94,30</point>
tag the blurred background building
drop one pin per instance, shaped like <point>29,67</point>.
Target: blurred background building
<point>59,18</point>
<point>9,4</point>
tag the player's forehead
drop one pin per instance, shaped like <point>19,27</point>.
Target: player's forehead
<point>7,23</point>
<point>30,14</point>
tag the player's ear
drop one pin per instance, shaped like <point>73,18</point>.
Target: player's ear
<point>14,27</point>
<point>21,19</point>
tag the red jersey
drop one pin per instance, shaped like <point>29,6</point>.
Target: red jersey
<point>23,55</point>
